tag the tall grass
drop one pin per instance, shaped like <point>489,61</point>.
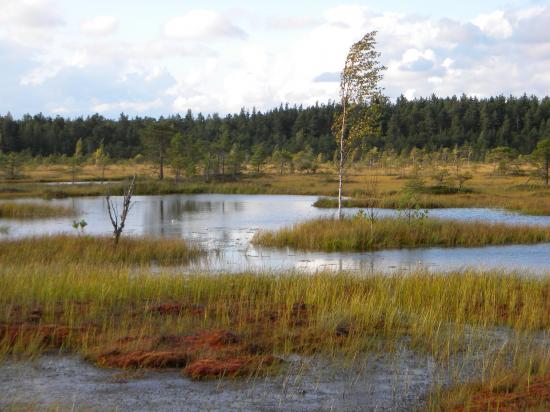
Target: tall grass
<point>421,305</point>
<point>32,211</point>
<point>360,234</point>
<point>89,250</point>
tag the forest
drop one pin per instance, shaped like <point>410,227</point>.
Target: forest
<point>425,123</point>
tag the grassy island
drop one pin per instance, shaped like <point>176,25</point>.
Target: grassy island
<point>11,210</point>
<point>360,234</point>
<point>96,250</point>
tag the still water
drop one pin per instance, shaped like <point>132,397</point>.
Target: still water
<point>224,224</point>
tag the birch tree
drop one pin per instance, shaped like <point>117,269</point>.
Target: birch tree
<point>360,94</point>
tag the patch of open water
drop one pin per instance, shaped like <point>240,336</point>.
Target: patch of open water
<point>226,223</point>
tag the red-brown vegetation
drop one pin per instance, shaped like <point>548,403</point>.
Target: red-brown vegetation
<point>535,396</point>
<point>206,354</point>
<point>51,336</point>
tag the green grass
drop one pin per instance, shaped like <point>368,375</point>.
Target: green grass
<point>10,210</point>
<point>359,234</point>
<point>88,250</point>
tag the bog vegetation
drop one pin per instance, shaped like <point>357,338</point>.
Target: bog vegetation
<point>414,228</point>
<point>97,250</point>
<point>11,210</point>
<point>211,325</point>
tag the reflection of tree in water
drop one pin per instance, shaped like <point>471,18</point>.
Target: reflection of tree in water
<point>166,216</point>
<point>178,207</point>
<point>184,217</point>
<point>161,216</point>
<point>159,220</point>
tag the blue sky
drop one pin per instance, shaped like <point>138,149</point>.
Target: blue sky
<point>150,58</point>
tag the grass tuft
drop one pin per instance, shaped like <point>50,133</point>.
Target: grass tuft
<point>33,211</point>
<point>89,250</point>
<point>359,234</point>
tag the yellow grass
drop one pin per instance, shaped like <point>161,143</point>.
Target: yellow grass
<point>522,193</point>
<point>88,250</point>
<point>10,210</point>
<point>360,234</point>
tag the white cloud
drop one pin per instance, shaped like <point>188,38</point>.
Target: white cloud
<point>30,23</point>
<point>410,93</point>
<point>30,13</point>
<point>201,24</point>
<point>494,24</point>
<point>50,68</point>
<point>39,75</point>
<point>56,67</point>
<point>447,63</point>
<point>100,25</point>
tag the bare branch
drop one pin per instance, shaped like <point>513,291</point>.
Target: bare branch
<point>114,216</point>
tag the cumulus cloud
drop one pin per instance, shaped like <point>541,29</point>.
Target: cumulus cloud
<point>495,24</point>
<point>294,60</point>
<point>30,13</point>
<point>100,25</point>
<point>416,60</point>
<point>201,24</point>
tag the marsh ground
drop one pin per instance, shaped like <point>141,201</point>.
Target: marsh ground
<point>470,340</point>
<point>520,191</point>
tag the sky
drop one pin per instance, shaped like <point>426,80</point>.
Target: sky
<point>152,58</point>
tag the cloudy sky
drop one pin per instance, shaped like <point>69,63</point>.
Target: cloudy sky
<point>73,57</point>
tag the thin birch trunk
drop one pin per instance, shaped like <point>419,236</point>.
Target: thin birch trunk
<point>341,165</point>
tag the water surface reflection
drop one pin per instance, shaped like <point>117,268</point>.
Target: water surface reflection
<point>226,223</point>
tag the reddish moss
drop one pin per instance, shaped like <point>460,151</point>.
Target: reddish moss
<point>230,367</point>
<point>176,309</point>
<point>144,359</point>
<point>206,354</point>
<point>53,336</point>
<point>536,395</point>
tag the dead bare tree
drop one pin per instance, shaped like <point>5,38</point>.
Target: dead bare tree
<point>118,220</point>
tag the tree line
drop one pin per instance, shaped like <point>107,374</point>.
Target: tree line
<point>479,125</point>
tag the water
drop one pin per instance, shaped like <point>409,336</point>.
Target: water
<point>389,382</point>
<point>226,224</point>
<point>397,380</point>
